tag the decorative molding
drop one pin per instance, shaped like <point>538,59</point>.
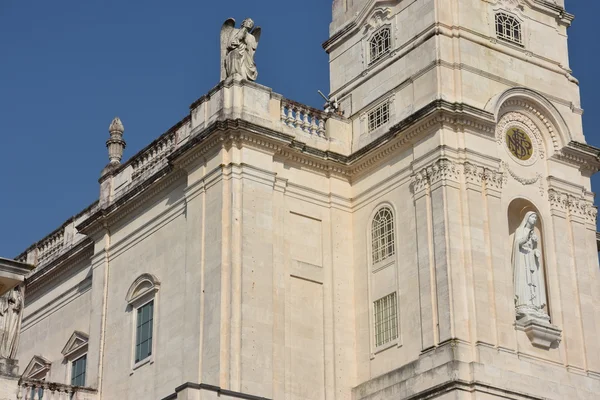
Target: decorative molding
<point>522,104</point>
<point>581,155</point>
<point>480,175</point>
<point>540,332</point>
<point>516,119</point>
<point>520,179</point>
<point>441,170</point>
<point>493,179</point>
<point>378,18</point>
<point>37,368</point>
<point>144,285</point>
<point>577,206</point>
<point>76,343</point>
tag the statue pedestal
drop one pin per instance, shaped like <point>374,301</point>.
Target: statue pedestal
<point>9,367</point>
<point>9,378</point>
<point>540,332</point>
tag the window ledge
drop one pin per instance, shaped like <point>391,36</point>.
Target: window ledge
<point>384,264</point>
<point>139,364</point>
<point>381,58</point>
<point>384,347</point>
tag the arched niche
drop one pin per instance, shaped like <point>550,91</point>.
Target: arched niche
<point>529,272</point>
<point>517,211</point>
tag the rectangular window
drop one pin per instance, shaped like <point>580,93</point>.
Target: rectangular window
<point>386,319</point>
<point>78,371</point>
<point>143,341</point>
<point>379,116</point>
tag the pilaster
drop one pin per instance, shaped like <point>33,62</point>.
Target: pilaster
<point>568,288</point>
<point>436,190</point>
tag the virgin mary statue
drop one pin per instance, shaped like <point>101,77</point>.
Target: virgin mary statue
<point>530,291</point>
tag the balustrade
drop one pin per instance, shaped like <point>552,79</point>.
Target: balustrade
<point>50,246</point>
<point>304,118</point>
<point>31,389</point>
<point>154,156</point>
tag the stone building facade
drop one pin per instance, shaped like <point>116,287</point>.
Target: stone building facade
<point>263,249</point>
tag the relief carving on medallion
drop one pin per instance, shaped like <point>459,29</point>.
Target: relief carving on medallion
<point>521,138</point>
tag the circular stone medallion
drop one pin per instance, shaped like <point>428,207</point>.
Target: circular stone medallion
<point>519,143</point>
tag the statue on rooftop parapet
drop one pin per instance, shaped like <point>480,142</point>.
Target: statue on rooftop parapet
<point>237,49</point>
<point>11,311</point>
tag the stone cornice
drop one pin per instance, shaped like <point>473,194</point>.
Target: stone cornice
<point>453,32</point>
<point>131,200</point>
<point>59,266</point>
<point>436,114</point>
<point>581,155</point>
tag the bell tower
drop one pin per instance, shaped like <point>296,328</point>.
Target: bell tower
<point>470,118</point>
<point>389,59</point>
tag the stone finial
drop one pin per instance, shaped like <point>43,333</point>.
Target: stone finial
<point>116,126</point>
<point>115,144</point>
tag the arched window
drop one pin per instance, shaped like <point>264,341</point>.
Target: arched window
<point>140,297</point>
<point>509,28</point>
<point>382,235</point>
<point>379,44</point>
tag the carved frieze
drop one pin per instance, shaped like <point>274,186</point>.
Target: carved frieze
<point>482,175</point>
<point>439,171</point>
<point>577,206</point>
<point>444,170</point>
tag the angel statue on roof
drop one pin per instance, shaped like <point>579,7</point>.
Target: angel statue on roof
<point>237,49</point>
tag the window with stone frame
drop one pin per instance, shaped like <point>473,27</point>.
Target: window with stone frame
<point>143,341</point>
<point>142,298</point>
<point>386,319</point>
<point>78,369</point>
<point>380,44</point>
<point>509,29</point>
<point>382,235</point>
<point>379,116</point>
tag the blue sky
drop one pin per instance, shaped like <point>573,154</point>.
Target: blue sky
<point>68,67</point>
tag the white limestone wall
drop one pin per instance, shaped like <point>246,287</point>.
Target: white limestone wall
<point>52,314</point>
<point>447,52</point>
<point>147,241</point>
<point>459,286</point>
<point>387,186</point>
<point>291,310</point>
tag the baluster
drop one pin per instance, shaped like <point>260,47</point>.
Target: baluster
<point>298,117</point>
<point>283,114</point>
<point>20,390</point>
<point>36,392</point>
<point>313,126</point>
<point>290,117</point>
<point>321,129</point>
<point>48,393</point>
<point>305,123</point>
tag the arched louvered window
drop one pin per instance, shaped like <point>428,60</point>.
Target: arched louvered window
<point>509,28</point>
<point>382,235</point>
<point>380,44</point>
